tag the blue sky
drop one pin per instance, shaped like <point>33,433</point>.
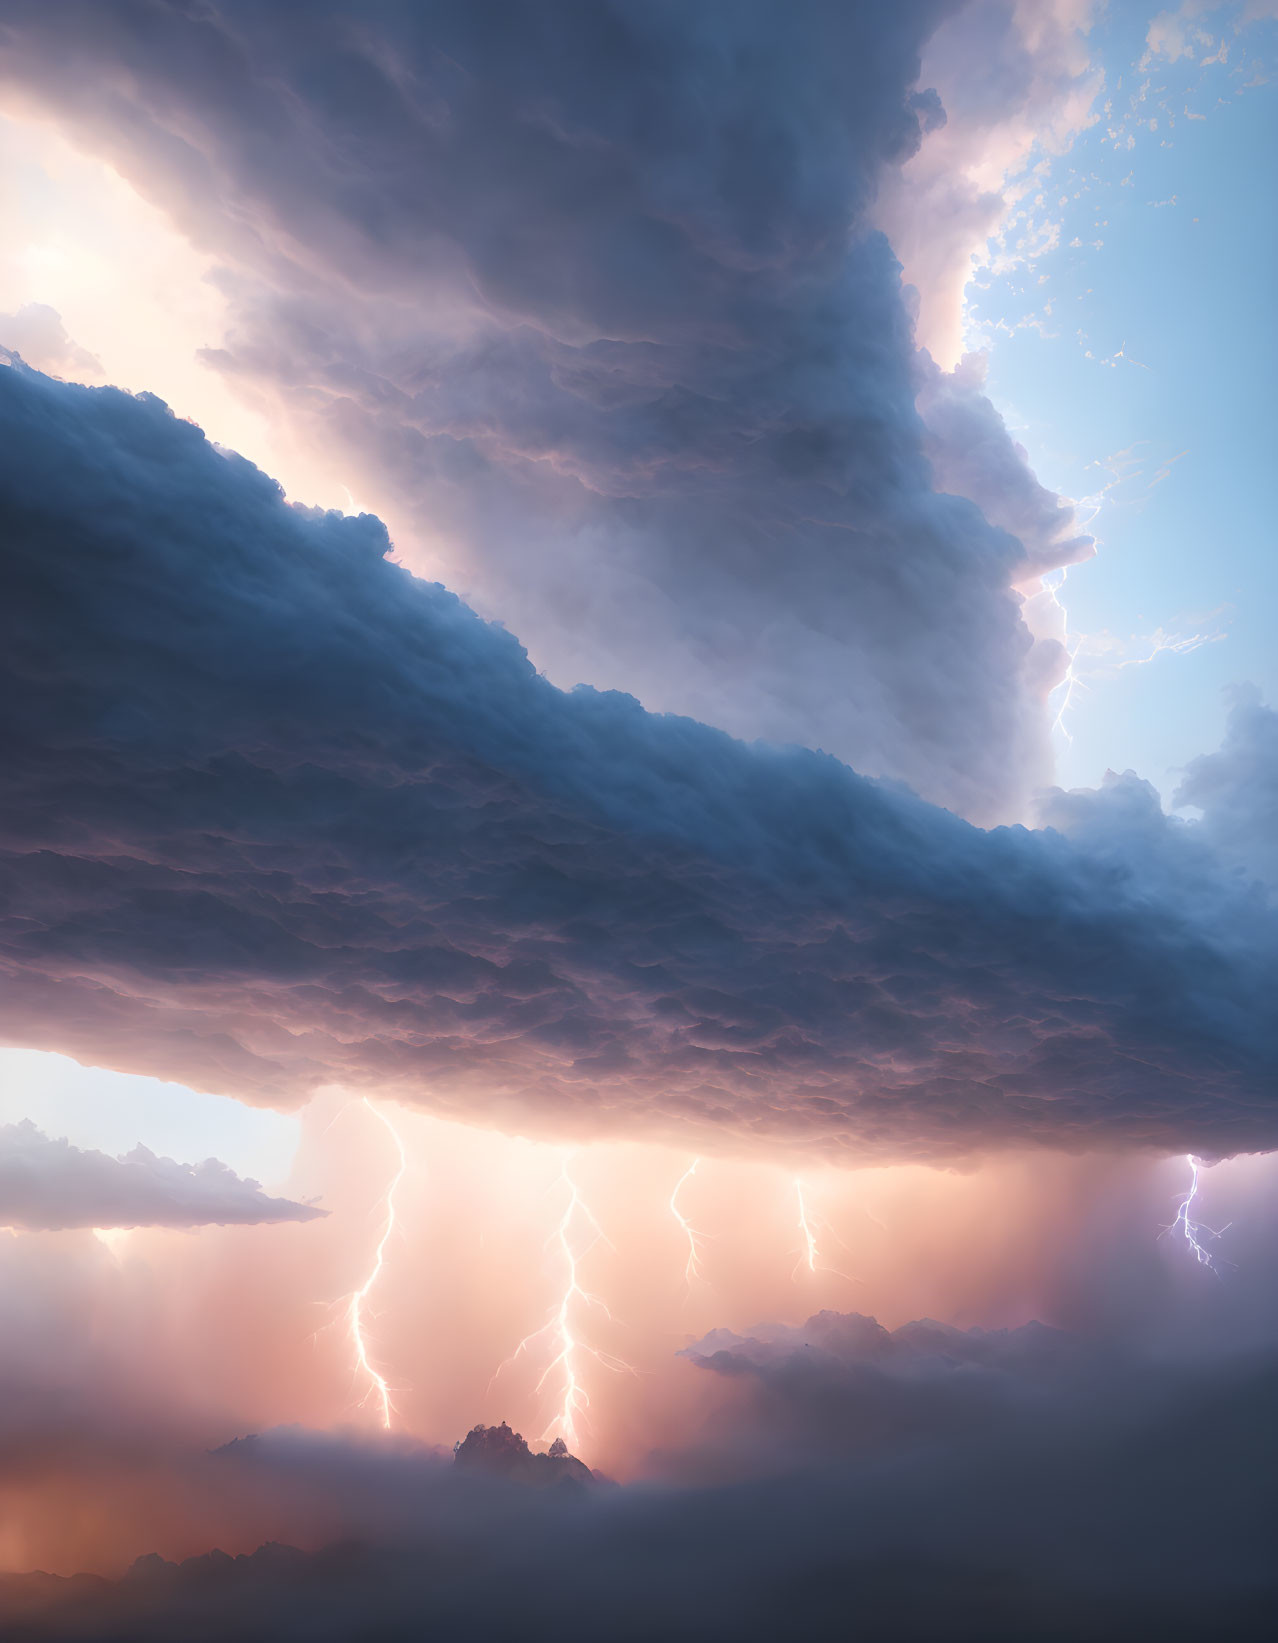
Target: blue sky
<point>114,1111</point>
<point>1140,355</point>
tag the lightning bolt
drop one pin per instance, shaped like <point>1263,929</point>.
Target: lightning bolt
<point>378,1391</point>
<point>692,1266</point>
<point>1160,643</point>
<point>1192,1230</point>
<point>565,1347</point>
<point>1071,682</point>
<point>808,1231</point>
<point>1068,685</point>
<point>810,1224</point>
<point>1177,644</point>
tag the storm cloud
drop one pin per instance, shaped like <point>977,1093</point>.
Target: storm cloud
<point>277,814</point>
<point>588,299</point>
<point>47,1185</point>
<point>654,753</point>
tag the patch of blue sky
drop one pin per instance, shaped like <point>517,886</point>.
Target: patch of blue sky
<point>1132,330</point>
<point>113,1112</point>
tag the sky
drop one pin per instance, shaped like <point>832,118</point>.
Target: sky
<point>1143,386</point>
<point>639,801</point>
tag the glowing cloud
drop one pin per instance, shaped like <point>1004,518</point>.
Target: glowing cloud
<point>697,403</point>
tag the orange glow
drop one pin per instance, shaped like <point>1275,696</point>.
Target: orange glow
<point>183,1341</point>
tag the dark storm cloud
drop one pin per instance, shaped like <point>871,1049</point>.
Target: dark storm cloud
<point>48,1185</point>
<point>276,814</point>
<point>842,1385</point>
<point>1025,1485</point>
<point>586,295</point>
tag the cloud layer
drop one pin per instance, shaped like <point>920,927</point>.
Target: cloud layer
<point>277,814</point>
<point>48,1185</point>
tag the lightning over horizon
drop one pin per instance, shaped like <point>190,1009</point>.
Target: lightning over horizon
<point>1192,1230</point>
<point>809,1252</point>
<point>810,1225</point>
<point>378,1389</point>
<point>566,1345</point>
<point>692,1266</point>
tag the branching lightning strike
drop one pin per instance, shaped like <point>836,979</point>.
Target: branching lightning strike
<point>378,1389</point>
<point>810,1226</point>
<point>692,1266</point>
<point>1193,1231</point>
<point>566,1347</point>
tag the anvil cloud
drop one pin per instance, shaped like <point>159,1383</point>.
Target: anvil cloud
<point>276,814</point>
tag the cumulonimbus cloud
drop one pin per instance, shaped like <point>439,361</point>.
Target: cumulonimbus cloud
<point>588,299</point>
<point>276,814</point>
<point>47,1185</point>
